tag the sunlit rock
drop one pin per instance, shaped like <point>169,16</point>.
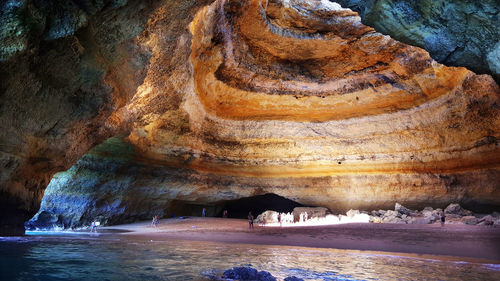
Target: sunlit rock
<point>232,99</point>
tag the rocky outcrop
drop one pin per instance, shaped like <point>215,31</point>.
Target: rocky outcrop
<point>400,215</point>
<point>247,273</point>
<point>454,214</point>
<point>309,104</point>
<point>237,99</point>
<point>96,188</point>
<point>457,32</point>
<point>65,68</point>
<point>299,99</point>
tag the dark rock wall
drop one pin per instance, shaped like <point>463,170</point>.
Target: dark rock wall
<point>100,186</point>
<point>65,67</point>
<point>454,32</point>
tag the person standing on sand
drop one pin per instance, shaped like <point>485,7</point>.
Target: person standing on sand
<point>279,218</point>
<point>224,214</point>
<point>93,227</point>
<point>250,220</point>
<point>203,212</point>
<point>443,218</point>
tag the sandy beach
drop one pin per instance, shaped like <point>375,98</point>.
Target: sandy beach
<point>453,241</point>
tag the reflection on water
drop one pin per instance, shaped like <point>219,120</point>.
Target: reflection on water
<point>113,257</point>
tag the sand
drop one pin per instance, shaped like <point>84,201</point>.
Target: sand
<point>459,242</point>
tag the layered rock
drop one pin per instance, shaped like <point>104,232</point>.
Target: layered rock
<point>242,98</point>
<point>299,99</point>
<point>456,32</point>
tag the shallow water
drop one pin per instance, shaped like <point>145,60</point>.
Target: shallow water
<point>115,257</point>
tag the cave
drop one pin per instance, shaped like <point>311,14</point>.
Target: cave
<point>237,208</point>
<point>336,114</point>
<point>117,111</point>
<point>258,204</point>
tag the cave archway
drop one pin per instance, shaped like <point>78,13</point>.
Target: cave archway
<point>239,208</point>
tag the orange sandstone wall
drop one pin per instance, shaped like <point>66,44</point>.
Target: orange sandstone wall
<point>240,98</point>
<point>300,99</point>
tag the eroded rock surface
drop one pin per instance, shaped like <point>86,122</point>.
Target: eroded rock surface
<point>65,68</point>
<point>457,32</point>
<point>299,99</point>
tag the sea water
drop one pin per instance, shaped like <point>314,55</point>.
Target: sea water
<point>119,257</point>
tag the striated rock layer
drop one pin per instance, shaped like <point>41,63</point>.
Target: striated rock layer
<point>455,32</point>
<point>65,68</point>
<point>299,99</point>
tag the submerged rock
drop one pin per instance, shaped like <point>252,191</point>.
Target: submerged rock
<point>293,278</point>
<point>247,274</point>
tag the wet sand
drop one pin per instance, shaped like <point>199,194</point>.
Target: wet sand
<point>481,243</point>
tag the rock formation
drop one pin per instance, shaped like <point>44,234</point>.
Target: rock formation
<point>65,68</point>
<point>245,273</point>
<point>457,32</point>
<point>454,214</point>
<point>295,98</point>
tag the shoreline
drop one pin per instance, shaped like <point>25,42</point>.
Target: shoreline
<point>430,241</point>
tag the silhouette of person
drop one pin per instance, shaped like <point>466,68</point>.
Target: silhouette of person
<point>203,212</point>
<point>250,220</point>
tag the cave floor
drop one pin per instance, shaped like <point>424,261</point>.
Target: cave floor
<point>452,242</point>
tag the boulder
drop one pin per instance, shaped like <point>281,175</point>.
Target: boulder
<point>391,213</point>
<point>487,220</point>
<point>469,220</point>
<point>453,209</point>
<point>393,219</point>
<point>351,213</point>
<point>402,209</point>
<point>293,278</point>
<point>268,216</point>
<point>456,209</point>
<point>312,212</point>
<point>246,273</point>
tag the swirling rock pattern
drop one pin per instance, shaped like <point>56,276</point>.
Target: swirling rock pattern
<point>455,32</point>
<point>299,99</point>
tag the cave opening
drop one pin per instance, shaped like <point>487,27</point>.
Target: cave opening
<point>258,204</point>
<point>237,208</point>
